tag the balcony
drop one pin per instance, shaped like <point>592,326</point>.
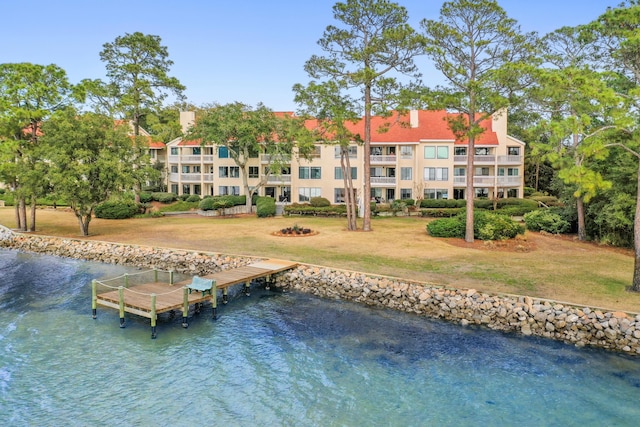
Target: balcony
<point>279,179</point>
<point>478,160</point>
<point>273,158</point>
<point>510,160</point>
<point>489,181</point>
<point>378,160</point>
<point>191,177</point>
<point>191,159</point>
<point>383,181</point>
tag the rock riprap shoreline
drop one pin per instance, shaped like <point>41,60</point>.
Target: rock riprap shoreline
<point>582,326</point>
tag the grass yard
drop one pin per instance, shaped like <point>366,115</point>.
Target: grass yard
<point>554,267</point>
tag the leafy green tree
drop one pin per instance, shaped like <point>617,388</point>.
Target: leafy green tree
<point>138,67</point>
<point>29,94</point>
<point>87,153</point>
<point>373,46</point>
<point>576,102</point>
<point>333,109</point>
<point>486,61</point>
<point>247,133</point>
<point>616,33</point>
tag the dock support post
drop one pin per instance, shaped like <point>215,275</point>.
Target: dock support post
<point>94,298</point>
<point>121,302</point>
<point>126,280</point>
<point>214,300</point>
<point>247,288</point>
<point>267,282</point>
<point>155,274</point>
<point>185,308</point>
<point>171,277</point>
<point>225,295</point>
<point>153,317</point>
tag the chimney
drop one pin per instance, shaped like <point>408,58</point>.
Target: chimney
<point>413,118</point>
<point>187,119</point>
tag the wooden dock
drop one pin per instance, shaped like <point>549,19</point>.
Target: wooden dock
<point>155,297</point>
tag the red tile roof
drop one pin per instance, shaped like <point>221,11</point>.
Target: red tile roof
<point>432,125</point>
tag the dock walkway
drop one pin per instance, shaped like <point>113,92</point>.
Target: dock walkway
<point>155,297</point>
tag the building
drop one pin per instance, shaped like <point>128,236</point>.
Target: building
<point>417,157</point>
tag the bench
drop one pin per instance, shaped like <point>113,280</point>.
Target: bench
<point>201,284</point>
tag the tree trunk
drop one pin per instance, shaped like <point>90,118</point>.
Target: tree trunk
<point>84,220</point>
<point>345,165</point>
<point>16,208</point>
<point>22,212</point>
<point>32,227</point>
<point>366,225</point>
<point>636,239</point>
<point>582,233</point>
<point>468,233</point>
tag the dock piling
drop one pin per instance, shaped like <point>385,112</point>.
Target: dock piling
<point>94,298</point>
<point>121,303</point>
<point>154,317</point>
<point>185,308</point>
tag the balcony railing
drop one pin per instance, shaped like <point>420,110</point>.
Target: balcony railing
<point>512,160</point>
<point>382,159</point>
<point>278,179</point>
<point>191,159</point>
<point>489,181</point>
<point>383,180</point>
<point>191,177</point>
<point>271,158</point>
<point>476,159</point>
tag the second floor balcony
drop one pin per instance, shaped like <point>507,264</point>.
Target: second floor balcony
<point>279,179</point>
<point>191,177</point>
<point>489,160</point>
<point>489,181</point>
<point>383,159</point>
<point>383,180</point>
<point>192,159</point>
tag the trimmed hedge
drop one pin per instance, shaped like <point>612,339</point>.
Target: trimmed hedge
<point>265,207</point>
<point>221,202</point>
<point>486,226</point>
<point>307,209</point>
<point>546,220</point>
<point>319,202</point>
<point>116,209</point>
<point>164,197</point>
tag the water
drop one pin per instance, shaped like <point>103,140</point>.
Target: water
<point>282,360</point>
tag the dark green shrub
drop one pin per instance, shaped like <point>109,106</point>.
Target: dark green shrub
<point>181,206</point>
<point>442,203</point>
<point>146,197</point>
<point>116,209</point>
<point>265,206</point>
<point>193,198</point>
<point>409,202</point>
<point>547,200</point>
<point>546,220</point>
<point>164,197</point>
<point>441,212</point>
<point>319,202</point>
<point>528,191</point>
<point>486,226</point>
<point>446,227</point>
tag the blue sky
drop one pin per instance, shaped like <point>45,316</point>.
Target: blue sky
<point>223,51</point>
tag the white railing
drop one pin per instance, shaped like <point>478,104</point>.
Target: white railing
<point>382,159</point>
<point>509,159</point>
<point>383,180</point>
<point>476,159</point>
<point>191,159</point>
<point>191,177</point>
<point>489,181</point>
<point>270,158</point>
<point>276,179</point>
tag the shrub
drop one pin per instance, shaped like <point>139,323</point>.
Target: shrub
<point>220,202</point>
<point>409,202</point>
<point>164,197</point>
<point>546,220</point>
<point>547,200</point>
<point>146,197</point>
<point>486,226</point>
<point>442,203</point>
<point>319,202</point>
<point>193,198</point>
<point>265,206</point>
<point>528,191</point>
<point>181,206</point>
<point>116,209</point>
<point>441,212</point>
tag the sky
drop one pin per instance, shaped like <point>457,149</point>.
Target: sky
<point>249,51</point>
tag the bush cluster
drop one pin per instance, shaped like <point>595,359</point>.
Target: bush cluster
<point>511,206</point>
<point>319,202</point>
<point>546,220</point>
<point>116,209</point>
<point>265,207</point>
<point>164,197</point>
<point>486,226</point>
<point>307,209</point>
<point>220,202</point>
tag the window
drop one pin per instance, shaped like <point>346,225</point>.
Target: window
<point>337,173</point>
<point>174,188</point>
<point>459,172</point>
<point>195,169</point>
<point>512,172</point>
<point>338,195</point>
<point>482,192</point>
<point>481,172</point>
<point>376,172</point>
<point>254,171</point>
<point>235,190</point>
<point>436,174</point>
<point>174,168</point>
<point>512,192</point>
<point>460,151</point>
<point>234,172</point>
<point>406,174</point>
<point>376,151</point>
<point>352,150</point>
<point>196,151</point>
<point>484,151</point>
<point>197,189</point>
<point>223,153</point>
<point>436,193</point>
<point>513,151</point>
<point>174,151</point>
<point>405,193</point>
<point>185,169</point>
<point>305,194</point>
<point>391,172</point>
<point>223,190</point>
<point>429,152</point>
<point>152,154</point>
<point>186,189</point>
<point>443,152</point>
<point>406,152</point>
<point>317,151</point>
<point>223,171</point>
<point>309,172</point>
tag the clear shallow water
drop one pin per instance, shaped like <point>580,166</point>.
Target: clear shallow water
<point>282,360</point>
